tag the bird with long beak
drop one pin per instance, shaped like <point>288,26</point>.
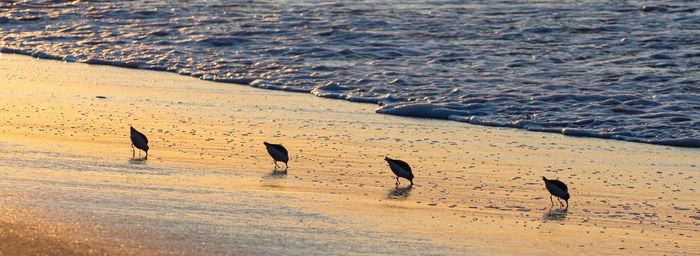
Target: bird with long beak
<point>278,153</point>
<point>558,189</point>
<point>139,141</point>
<point>401,169</point>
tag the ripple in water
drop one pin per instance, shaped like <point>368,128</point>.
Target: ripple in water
<point>617,70</point>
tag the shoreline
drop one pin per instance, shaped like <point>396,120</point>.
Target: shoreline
<point>402,109</point>
<point>210,184</point>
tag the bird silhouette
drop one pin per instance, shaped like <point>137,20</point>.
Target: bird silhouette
<point>139,141</point>
<point>558,189</point>
<point>401,169</point>
<point>278,153</point>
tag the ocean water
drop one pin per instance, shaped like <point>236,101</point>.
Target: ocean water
<point>627,70</point>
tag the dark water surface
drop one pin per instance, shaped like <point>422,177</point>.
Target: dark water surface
<point>625,70</point>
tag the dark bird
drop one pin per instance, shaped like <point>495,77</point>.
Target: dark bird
<point>401,169</point>
<point>139,141</point>
<point>278,153</point>
<point>558,189</point>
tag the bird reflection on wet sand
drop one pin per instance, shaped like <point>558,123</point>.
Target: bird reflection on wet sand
<point>399,193</point>
<point>275,179</point>
<point>276,174</point>
<point>137,161</point>
<point>555,214</point>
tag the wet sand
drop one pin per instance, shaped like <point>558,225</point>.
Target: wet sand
<point>68,184</point>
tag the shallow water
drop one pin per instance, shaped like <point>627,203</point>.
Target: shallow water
<point>621,70</point>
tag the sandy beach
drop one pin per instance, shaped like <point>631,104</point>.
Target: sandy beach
<point>69,185</point>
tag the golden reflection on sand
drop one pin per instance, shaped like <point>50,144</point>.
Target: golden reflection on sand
<point>208,186</point>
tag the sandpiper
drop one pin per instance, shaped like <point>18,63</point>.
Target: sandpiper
<point>558,189</point>
<point>401,169</point>
<point>139,141</point>
<point>278,153</point>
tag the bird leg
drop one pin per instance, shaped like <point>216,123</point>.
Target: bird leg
<point>567,205</point>
<point>559,200</point>
<point>276,166</point>
<point>146,157</point>
<point>397,181</point>
<point>286,167</point>
<point>133,152</point>
<point>550,199</point>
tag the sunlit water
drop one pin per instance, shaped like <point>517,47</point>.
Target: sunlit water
<point>625,70</point>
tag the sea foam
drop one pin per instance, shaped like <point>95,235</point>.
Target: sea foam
<point>593,69</point>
